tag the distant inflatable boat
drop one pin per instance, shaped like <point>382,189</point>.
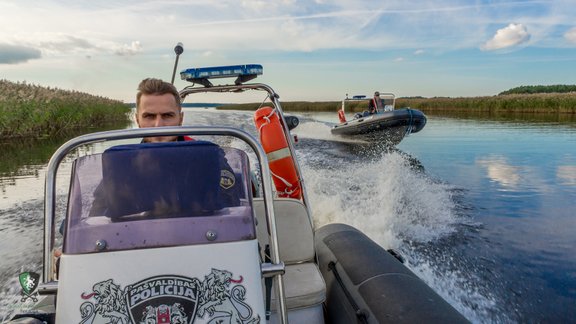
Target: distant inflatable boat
<point>383,123</point>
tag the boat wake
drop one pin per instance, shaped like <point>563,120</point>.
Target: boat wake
<point>383,192</point>
<point>387,195</point>
<point>321,131</point>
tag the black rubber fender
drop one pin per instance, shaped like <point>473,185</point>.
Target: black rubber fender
<point>366,284</point>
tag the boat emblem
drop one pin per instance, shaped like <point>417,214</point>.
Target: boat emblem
<point>29,283</point>
<point>170,299</point>
<point>163,299</point>
<point>227,179</point>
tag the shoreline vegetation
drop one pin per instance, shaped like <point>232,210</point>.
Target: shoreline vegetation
<point>34,111</point>
<point>541,103</point>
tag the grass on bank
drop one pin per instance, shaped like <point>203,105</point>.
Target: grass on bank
<point>517,103</point>
<point>32,111</point>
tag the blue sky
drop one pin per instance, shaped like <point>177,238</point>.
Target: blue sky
<point>310,50</point>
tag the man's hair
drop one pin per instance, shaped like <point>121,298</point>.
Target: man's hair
<point>151,86</point>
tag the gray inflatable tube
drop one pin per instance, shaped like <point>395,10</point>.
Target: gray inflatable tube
<point>367,284</point>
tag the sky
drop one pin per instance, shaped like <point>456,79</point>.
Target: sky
<point>312,50</point>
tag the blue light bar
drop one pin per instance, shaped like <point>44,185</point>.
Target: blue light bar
<point>202,75</point>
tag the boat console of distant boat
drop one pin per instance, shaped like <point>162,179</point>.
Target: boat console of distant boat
<point>187,237</point>
<point>384,124</point>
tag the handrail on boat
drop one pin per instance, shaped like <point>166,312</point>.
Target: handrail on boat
<point>48,284</point>
<point>274,98</point>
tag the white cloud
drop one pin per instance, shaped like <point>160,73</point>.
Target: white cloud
<point>282,25</point>
<point>263,6</point>
<point>570,35</point>
<point>509,36</point>
<point>53,44</point>
<point>129,50</point>
<point>218,32</point>
<point>64,43</point>
<point>255,5</point>
<point>13,54</point>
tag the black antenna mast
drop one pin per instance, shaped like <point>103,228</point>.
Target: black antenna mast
<point>179,49</point>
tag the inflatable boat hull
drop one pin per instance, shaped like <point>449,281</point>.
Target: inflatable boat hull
<point>390,126</point>
<point>367,284</point>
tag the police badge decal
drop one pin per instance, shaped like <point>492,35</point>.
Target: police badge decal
<point>227,179</point>
<point>29,283</point>
<point>163,299</point>
<point>170,299</point>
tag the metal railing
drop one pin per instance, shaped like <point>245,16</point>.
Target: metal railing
<point>49,285</point>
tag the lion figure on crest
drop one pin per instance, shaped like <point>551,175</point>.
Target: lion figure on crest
<point>110,306</point>
<point>219,301</point>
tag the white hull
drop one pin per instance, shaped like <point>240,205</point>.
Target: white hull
<point>165,274</point>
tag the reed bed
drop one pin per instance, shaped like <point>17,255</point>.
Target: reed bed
<point>519,103</point>
<point>564,103</point>
<point>32,111</point>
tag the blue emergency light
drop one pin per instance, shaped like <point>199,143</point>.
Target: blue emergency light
<point>242,73</point>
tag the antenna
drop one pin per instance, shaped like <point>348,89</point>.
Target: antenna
<point>179,49</point>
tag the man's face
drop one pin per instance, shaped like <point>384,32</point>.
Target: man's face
<point>157,111</point>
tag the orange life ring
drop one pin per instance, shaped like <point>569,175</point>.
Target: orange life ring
<point>279,157</point>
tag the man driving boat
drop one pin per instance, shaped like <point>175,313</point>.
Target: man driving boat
<point>375,104</point>
<point>158,104</point>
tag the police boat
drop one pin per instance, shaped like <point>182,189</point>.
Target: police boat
<point>188,234</point>
<point>384,124</point>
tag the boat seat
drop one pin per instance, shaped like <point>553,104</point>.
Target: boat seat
<point>305,288</point>
<point>294,229</point>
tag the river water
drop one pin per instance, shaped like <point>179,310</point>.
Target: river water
<point>483,210</point>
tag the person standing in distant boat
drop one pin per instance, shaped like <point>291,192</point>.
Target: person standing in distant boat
<point>375,104</point>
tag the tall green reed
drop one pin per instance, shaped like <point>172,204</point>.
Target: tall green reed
<point>31,110</point>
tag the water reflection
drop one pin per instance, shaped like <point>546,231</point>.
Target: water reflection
<point>499,170</point>
<point>511,258</point>
<point>508,116</point>
<point>23,164</point>
<point>24,156</point>
<point>566,175</point>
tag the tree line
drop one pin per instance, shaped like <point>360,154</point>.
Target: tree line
<point>532,89</point>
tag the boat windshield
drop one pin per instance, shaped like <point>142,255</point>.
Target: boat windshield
<point>387,102</point>
<point>159,194</point>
